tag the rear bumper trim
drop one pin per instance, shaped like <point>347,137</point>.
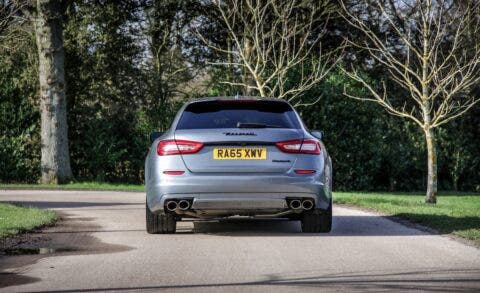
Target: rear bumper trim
<point>235,201</point>
<point>239,204</point>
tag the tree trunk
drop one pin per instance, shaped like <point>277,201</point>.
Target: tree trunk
<point>55,158</point>
<point>230,68</point>
<point>431,196</point>
<point>456,170</point>
<point>247,78</point>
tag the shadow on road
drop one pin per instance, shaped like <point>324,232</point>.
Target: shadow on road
<point>68,204</point>
<point>460,280</point>
<point>342,226</point>
<point>70,236</point>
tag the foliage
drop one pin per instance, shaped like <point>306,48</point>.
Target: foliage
<point>117,93</point>
<point>104,92</point>
<point>19,117</point>
<point>170,67</point>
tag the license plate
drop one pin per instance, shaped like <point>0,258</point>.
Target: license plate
<point>239,153</point>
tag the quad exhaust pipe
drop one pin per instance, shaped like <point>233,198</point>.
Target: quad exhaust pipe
<point>183,205</point>
<point>307,204</point>
<point>175,205</point>
<point>172,206</point>
<point>296,204</point>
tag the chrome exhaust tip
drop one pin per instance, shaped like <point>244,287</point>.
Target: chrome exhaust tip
<point>184,205</point>
<point>295,204</point>
<point>171,205</point>
<point>307,204</point>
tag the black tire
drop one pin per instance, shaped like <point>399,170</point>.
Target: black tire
<point>160,224</point>
<point>317,221</point>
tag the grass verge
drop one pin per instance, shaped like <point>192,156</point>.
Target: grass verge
<point>15,219</point>
<point>454,214</point>
<point>77,186</point>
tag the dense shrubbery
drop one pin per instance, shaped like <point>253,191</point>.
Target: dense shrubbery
<point>19,117</point>
<point>114,101</point>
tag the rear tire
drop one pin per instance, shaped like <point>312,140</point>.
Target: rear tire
<point>317,221</point>
<point>160,224</point>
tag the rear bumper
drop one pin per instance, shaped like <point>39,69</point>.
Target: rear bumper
<point>214,202</point>
<point>237,193</point>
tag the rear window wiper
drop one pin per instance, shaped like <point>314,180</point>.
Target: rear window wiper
<point>256,125</point>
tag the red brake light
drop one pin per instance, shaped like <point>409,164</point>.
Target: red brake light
<point>303,172</point>
<point>290,146</point>
<point>174,172</point>
<point>177,146</point>
<point>298,146</point>
<point>239,101</point>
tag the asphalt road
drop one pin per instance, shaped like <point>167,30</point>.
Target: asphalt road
<point>102,245</point>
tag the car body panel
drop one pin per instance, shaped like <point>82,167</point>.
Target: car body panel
<point>236,187</point>
<point>276,161</point>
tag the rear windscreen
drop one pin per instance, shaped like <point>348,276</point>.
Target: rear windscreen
<point>233,114</point>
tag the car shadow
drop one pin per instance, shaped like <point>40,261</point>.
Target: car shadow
<point>371,225</point>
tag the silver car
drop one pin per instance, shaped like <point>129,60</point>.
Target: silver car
<point>238,156</point>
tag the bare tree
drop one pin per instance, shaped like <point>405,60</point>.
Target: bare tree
<point>10,14</point>
<point>6,14</point>
<point>268,40</point>
<point>433,52</point>
<point>48,26</point>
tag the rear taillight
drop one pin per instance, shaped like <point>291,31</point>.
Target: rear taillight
<point>304,171</point>
<point>299,146</point>
<point>176,147</point>
<point>174,172</point>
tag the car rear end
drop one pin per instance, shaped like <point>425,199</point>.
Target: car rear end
<point>247,157</point>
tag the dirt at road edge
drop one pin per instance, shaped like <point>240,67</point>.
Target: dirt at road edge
<point>68,236</point>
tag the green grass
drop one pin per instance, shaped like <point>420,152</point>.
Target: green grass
<point>456,214</point>
<point>15,219</point>
<point>76,185</point>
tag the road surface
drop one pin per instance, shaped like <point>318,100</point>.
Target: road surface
<point>102,245</point>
